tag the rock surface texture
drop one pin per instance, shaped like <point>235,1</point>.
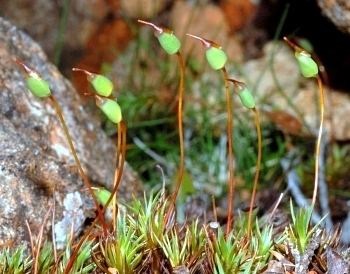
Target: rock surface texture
<point>36,167</point>
<point>338,11</point>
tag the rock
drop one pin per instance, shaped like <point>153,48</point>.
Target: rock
<point>338,11</point>
<point>41,19</point>
<point>35,162</point>
<point>338,109</point>
<point>278,86</point>
<point>336,263</point>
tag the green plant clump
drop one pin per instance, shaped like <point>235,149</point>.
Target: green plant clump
<point>142,243</point>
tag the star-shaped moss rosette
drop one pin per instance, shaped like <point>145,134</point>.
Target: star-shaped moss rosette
<point>217,59</point>
<point>248,101</point>
<point>41,89</point>
<point>309,69</point>
<point>171,45</point>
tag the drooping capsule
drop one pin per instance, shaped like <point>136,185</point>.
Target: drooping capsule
<point>101,84</point>
<point>37,86</point>
<point>216,57</point>
<point>110,108</point>
<point>308,67</point>
<point>169,42</point>
<point>246,98</point>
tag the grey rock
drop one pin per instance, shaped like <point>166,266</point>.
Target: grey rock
<point>338,11</point>
<point>35,162</point>
<point>336,264</point>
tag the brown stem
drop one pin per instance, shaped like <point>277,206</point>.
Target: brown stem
<point>31,239</point>
<point>318,144</point>
<point>39,241</point>
<point>294,46</point>
<point>121,150</point>
<point>231,182</point>
<point>258,166</point>
<point>80,169</point>
<point>181,136</point>
<point>116,172</point>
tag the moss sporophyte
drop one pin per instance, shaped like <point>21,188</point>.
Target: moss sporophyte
<point>36,85</point>
<point>168,41</point>
<point>217,59</point>
<point>101,84</point>
<point>309,69</point>
<point>40,88</point>
<point>214,54</point>
<point>248,102</point>
<point>171,45</point>
<point>110,108</point>
<point>103,88</point>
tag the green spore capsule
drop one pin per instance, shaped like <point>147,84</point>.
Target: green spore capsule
<point>308,67</point>
<point>169,42</point>
<point>111,109</point>
<point>216,57</point>
<point>102,195</point>
<point>247,98</point>
<point>102,85</point>
<point>37,86</point>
